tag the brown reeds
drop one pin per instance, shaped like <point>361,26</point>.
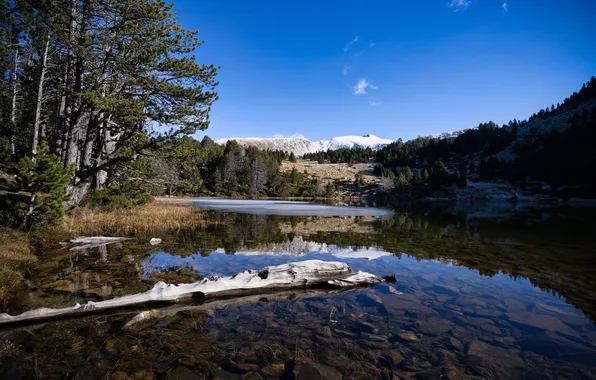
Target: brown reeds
<point>140,220</point>
<point>15,254</point>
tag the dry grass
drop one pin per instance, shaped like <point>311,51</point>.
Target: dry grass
<point>140,220</point>
<point>14,255</point>
<point>332,172</point>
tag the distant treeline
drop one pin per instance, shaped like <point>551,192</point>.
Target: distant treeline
<point>347,155</point>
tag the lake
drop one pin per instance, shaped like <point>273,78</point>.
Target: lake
<point>483,290</point>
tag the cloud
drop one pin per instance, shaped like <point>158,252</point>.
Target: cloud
<point>371,44</point>
<point>505,7</point>
<point>361,86</point>
<point>344,71</point>
<point>373,102</point>
<point>457,5</point>
<point>349,45</point>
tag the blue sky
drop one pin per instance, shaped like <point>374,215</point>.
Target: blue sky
<point>325,68</point>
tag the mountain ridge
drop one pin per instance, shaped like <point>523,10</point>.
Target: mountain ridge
<point>300,145</point>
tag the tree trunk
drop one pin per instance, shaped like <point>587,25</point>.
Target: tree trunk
<point>77,191</point>
<point>59,129</point>
<point>38,105</point>
<point>29,211</point>
<point>73,108</point>
<point>13,108</point>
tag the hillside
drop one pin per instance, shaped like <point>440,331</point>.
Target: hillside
<point>549,153</point>
<point>332,172</point>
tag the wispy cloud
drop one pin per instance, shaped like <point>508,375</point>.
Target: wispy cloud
<point>361,86</point>
<point>457,5</point>
<point>505,7</point>
<point>349,45</point>
<point>371,44</point>
<point>373,102</point>
<point>344,71</point>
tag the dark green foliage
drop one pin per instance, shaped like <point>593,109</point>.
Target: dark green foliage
<point>45,178</point>
<point>178,166</point>
<point>114,71</point>
<point>378,170</point>
<point>292,157</point>
<point>487,138</point>
<point>117,197</point>
<point>560,159</point>
<point>344,155</point>
<point>14,207</point>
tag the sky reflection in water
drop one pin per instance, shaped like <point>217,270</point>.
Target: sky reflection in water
<point>499,291</point>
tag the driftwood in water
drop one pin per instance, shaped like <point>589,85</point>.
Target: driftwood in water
<point>85,242</point>
<point>298,275</point>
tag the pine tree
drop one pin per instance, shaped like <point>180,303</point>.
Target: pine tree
<point>330,190</point>
<point>407,172</point>
<point>417,178</point>
<point>401,182</point>
<point>217,181</point>
<point>295,176</point>
<point>45,178</point>
<point>292,157</point>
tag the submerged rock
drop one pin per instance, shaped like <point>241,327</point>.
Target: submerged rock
<point>242,367</point>
<point>434,326</point>
<point>325,331</point>
<point>369,299</point>
<point>366,327</point>
<point>490,361</point>
<point>445,289</point>
<point>414,364</point>
<point>303,368</point>
<point>273,370</point>
<point>406,336</point>
<point>391,358</point>
<point>182,373</point>
<point>540,322</point>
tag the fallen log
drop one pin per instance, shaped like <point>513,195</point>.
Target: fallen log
<point>86,242</point>
<point>297,275</point>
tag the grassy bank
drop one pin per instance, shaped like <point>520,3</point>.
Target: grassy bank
<point>15,255</point>
<point>140,220</point>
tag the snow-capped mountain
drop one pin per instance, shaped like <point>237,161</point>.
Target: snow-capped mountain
<point>446,135</point>
<point>301,145</point>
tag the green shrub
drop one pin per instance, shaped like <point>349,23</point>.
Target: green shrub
<point>45,178</point>
<point>14,208</point>
<point>118,196</point>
